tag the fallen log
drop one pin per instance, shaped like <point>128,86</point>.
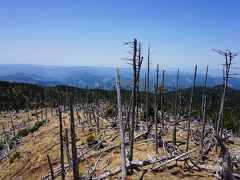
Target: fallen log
<point>174,159</point>
<point>137,164</point>
<point>101,151</point>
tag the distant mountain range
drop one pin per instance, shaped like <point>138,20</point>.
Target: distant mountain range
<point>98,77</point>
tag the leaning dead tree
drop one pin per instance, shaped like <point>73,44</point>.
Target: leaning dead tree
<point>122,132</point>
<point>229,56</point>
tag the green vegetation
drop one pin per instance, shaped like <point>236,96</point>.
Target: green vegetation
<point>20,96</point>
<point>110,112</point>
<point>1,146</point>
<point>34,128</point>
<point>150,113</point>
<point>14,156</point>
<point>90,138</point>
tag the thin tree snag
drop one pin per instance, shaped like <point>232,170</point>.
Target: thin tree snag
<point>148,76</point>
<point>61,144</point>
<point>229,55</point>
<point>122,132</point>
<point>66,139</point>
<point>204,90</point>
<point>128,112</point>
<point>203,112</point>
<point>162,99</point>
<point>73,142</point>
<point>190,109</point>
<point>203,125</point>
<point>131,133</point>
<point>156,112</point>
<point>174,139</point>
<point>50,167</point>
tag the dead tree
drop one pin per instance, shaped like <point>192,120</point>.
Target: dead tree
<point>162,99</point>
<point>139,64</point>
<point>134,65</point>
<point>203,125</point>
<point>61,144</point>
<point>156,112</point>
<point>174,139</point>
<point>66,139</point>
<point>73,142</point>
<point>148,76</point>
<point>229,55</point>
<point>122,132</point>
<point>50,167</point>
<point>190,109</point>
<point>128,112</point>
<point>203,112</point>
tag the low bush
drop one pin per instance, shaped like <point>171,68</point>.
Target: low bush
<point>1,146</point>
<point>14,156</point>
<point>90,138</point>
<point>109,112</point>
<point>34,128</point>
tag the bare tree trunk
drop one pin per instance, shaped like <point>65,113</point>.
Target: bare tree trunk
<point>139,64</point>
<point>229,55</point>
<point>174,138</point>
<point>73,142</point>
<point>61,144</point>
<point>203,125</point>
<point>148,75</point>
<point>156,112</point>
<point>203,113</point>
<point>134,101</point>
<point>190,109</point>
<point>128,112</point>
<point>162,99</point>
<point>50,167</point>
<point>122,132</point>
<point>66,139</point>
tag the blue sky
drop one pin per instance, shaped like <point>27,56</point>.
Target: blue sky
<point>92,32</point>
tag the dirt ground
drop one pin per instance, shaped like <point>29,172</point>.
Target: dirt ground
<point>34,148</point>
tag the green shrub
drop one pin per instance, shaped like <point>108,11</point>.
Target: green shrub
<point>109,112</point>
<point>1,146</point>
<point>34,128</point>
<point>90,138</point>
<point>14,156</point>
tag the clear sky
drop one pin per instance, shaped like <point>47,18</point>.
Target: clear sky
<point>92,32</point>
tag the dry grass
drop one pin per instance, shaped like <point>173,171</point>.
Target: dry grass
<point>34,148</point>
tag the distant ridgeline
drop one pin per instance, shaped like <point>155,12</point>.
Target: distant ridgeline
<point>102,77</point>
<point>16,96</point>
